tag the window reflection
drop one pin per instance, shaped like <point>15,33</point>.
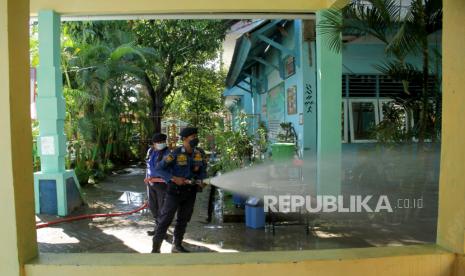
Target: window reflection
<point>363,119</point>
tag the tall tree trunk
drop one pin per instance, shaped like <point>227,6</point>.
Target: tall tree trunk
<point>157,111</point>
<point>162,90</point>
<point>424,99</point>
<point>197,109</point>
<point>157,104</point>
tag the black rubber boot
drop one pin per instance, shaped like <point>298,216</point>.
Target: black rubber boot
<point>152,232</point>
<point>156,247</point>
<point>178,248</point>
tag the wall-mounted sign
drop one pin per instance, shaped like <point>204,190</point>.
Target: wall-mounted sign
<point>47,145</point>
<point>289,66</point>
<point>292,100</point>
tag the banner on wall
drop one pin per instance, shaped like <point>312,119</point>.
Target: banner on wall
<point>292,100</point>
<point>276,108</point>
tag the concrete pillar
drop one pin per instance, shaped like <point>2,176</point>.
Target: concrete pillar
<point>56,190</point>
<point>451,220</point>
<point>309,94</point>
<point>329,74</point>
<point>17,233</point>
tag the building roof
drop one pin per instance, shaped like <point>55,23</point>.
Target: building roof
<point>247,48</point>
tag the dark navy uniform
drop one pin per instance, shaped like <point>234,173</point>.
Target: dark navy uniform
<point>156,190</point>
<point>179,198</point>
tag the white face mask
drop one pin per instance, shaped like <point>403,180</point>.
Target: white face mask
<point>160,146</point>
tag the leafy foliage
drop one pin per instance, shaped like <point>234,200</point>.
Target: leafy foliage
<point>392,128</point>
<point>403,32</point>
<point>198,99</point>
<point>261,141</point>
<point>117,76</point>
<point>182,47</point>
<point>235,148</point>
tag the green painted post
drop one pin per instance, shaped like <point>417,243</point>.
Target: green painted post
<point>50,102</point>
<point>329,87</point>
<point>51,113</point>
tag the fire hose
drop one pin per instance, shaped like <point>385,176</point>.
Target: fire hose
<point>90,216</point>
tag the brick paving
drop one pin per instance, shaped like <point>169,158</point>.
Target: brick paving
<point>126,192</point>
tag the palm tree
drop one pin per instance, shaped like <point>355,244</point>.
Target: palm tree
<point>100,81</point>
<point>403,32</point>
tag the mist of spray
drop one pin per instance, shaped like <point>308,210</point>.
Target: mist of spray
<point>365,171</point>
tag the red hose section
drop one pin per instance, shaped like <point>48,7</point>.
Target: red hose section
<point>81,217</point>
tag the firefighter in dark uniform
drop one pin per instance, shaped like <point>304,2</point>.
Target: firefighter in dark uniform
<point>186,169</point>
<point>155,178</point>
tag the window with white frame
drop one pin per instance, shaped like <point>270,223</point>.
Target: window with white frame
<point>366,96</point>
<point>344,121</point>
<point>363,117</point>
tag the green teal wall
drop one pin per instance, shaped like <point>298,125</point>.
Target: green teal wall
<point>329,86</point>
<point>359,57</point>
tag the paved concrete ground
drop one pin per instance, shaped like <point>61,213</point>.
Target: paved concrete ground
<point>128,234</point>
